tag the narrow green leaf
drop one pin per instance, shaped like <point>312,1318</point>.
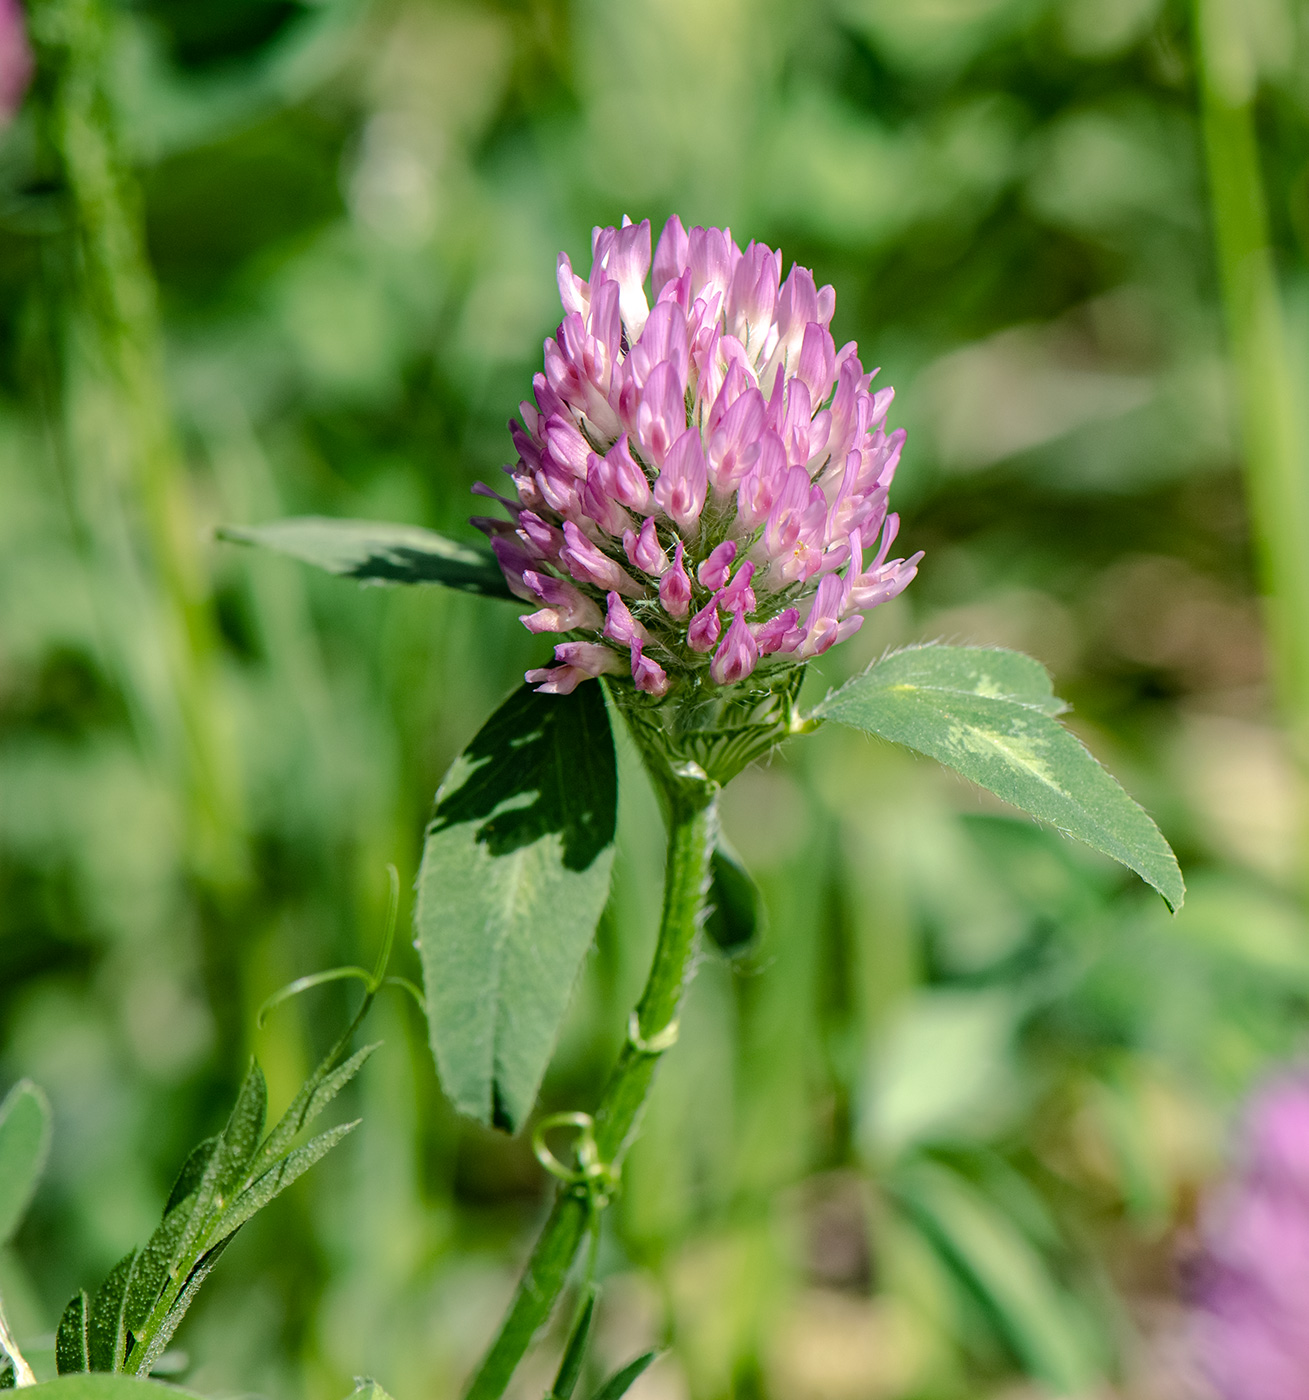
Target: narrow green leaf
<point>992,722</point>
<point>736,908</point>
<point>225,1172</point>
<point>152,1266</point>
<point>72,1344</point>
<point>514,877</point>
<point>102,1386</point>
<point>570,1368</point>
<point>375,552</point>
<point>192,1173</point>
<point>24,1146</point>
<point>108,1328</point>
<point>317,1092</point>
<point>622,1381</point>
<point>275,1181</point>
<point>1036,1317</point>
<point>172,1319</point>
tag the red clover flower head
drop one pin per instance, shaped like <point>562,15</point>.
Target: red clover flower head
<point>1252,1322</point>
<point>702,483</point>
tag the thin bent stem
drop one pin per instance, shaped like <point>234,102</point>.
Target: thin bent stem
<point>692,823</point>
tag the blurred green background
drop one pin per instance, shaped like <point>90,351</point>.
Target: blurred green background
<point>944,1130</point>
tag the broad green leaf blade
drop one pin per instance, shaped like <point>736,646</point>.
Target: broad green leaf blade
<point>72,1342</point>
<point>24,1146</point>
<point>101,1386</point>
<point>622,1381</point>
<point>1038,1319</point>
<point>375,552</point>
<point>994,672</point>
<point>736,908</point>
<point>275,1181</point>
<point>1011,747</point>
<point>514,877</point>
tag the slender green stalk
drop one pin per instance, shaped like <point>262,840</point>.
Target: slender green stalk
<point>1275,464</point>
<point>692,823</point>
<point>116,329</point>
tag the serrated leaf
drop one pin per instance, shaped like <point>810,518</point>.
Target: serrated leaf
<point>958,705</point>
<point>622,1381</point>
<point>514,877</point>
<point>736,908</point>
<point>192,1173</point>
<point>275,1181</point>
<point>108,1327</point>
<point>104,1386</point>
<point>375,552</point>
<point>315,1094</point>
<point>1036,1317</point>
<point>72,1343</point>
<point>24,1146</point>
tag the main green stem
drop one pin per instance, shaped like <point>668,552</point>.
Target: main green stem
<point>692,817</point>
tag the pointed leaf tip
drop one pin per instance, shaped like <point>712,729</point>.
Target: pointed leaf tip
<point>376,552</point>
<point>989,715</point>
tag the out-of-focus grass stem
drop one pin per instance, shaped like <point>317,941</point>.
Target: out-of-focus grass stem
<point>116,299</point>
<point>1275,462</point>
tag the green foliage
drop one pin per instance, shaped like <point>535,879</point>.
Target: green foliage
<point>570,1366</point>
<point>222,1183</point>
<point>24,1146</point>
<point>987,713</point>
<point>623,1380</point>
<point>515,876</point>
<point>1040,1320</point>
<point>736,909</point>
<point>106,1387</point>
<point>375,552</point>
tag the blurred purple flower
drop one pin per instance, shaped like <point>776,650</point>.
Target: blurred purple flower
<point>1252,1320</point>
<point>711,473</point>
<point>15,59</point>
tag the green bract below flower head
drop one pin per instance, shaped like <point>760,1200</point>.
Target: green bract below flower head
<point>702,484</point>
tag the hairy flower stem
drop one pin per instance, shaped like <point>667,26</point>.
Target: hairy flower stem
<point>691,812</point>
